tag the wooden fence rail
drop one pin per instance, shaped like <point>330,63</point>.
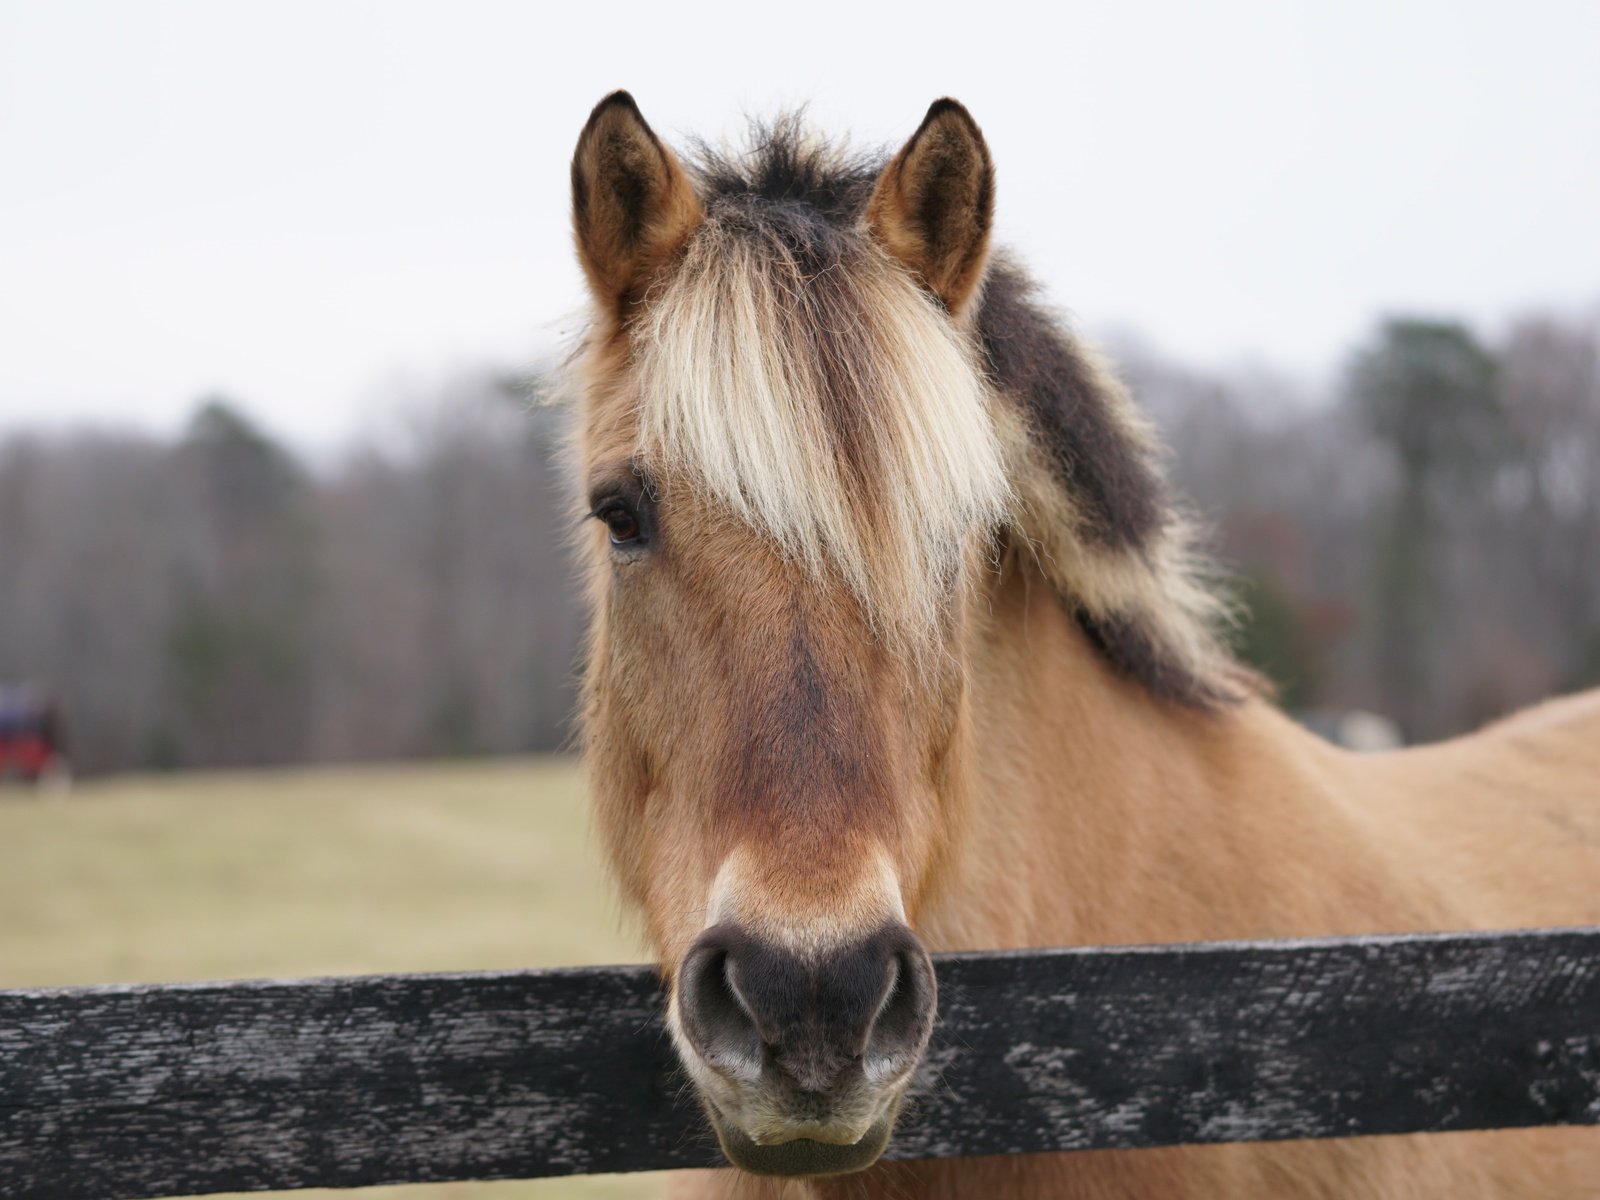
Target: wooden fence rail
<point>115,1093</point>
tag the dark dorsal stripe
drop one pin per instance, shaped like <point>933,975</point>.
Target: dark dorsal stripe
<point>1119,495</point>
<point>1118,491</point>
<point>1130,648</point>
<point>783,166</point>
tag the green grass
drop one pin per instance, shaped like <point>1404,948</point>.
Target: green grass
<point>312,872</point>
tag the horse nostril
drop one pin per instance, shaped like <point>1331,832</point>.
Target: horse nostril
<point>713,1016</point>
<point>866,1009</point>
<point>900,1030</point>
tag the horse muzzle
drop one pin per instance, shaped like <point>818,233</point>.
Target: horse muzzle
<point>802,1058</point>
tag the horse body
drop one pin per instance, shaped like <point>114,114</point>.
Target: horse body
<point>898,645</point>
<point>1141,822</point>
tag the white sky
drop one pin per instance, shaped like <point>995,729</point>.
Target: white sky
<point>313,206</point>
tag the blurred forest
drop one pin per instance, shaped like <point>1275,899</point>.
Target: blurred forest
<point>217,601</point>
<point>1422,542</point>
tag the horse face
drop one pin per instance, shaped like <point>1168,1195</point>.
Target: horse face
<point>776,736</point>
<point>771,787</point>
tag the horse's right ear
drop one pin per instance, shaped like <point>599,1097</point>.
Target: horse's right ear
<point>934,203</point>
<point>632,204</point>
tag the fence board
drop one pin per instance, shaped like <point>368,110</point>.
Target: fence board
<point>124,1092</point>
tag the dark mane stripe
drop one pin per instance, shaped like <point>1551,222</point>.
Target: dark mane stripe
<point>1129,647</point>
<point>1116,488</point>
<point>786,165</point>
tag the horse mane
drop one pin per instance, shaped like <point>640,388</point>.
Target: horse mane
<point>1094,506</point>
<point>799,373</point>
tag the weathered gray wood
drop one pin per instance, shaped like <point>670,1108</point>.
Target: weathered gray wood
<point>125,1092</point>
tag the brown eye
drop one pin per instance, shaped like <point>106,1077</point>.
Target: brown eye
<point>622,523</point>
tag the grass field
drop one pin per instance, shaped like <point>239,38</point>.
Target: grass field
<point>313,872</point>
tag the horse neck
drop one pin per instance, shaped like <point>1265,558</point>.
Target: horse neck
<point>1097,813</point>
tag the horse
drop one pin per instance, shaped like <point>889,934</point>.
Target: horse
<point>898,643</point>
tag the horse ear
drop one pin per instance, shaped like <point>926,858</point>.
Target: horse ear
<point>632,203</point>
<point>934,203</point>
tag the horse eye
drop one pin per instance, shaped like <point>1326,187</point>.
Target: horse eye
<point>622,522</point>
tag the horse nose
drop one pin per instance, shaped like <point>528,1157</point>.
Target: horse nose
<point>864,1010</point>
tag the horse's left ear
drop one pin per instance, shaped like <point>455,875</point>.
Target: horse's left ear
<point>934,203</point>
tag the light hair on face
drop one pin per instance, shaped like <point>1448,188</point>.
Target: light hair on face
<point>807,383</point>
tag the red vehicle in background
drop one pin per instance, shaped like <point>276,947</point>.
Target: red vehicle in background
<point>32,739</point>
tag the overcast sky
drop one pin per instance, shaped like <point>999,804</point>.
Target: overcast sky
<point>316,206</point>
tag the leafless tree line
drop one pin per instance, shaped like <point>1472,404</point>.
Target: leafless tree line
<point>1424,541</point>
<point>214,601</point>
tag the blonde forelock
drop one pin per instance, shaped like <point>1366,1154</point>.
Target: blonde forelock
<point>827,401</point>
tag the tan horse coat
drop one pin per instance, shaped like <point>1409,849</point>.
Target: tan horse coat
<point>894,628</point>
<point>1118,821</point>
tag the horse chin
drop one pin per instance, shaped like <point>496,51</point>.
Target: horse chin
<point>800,1156</point>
